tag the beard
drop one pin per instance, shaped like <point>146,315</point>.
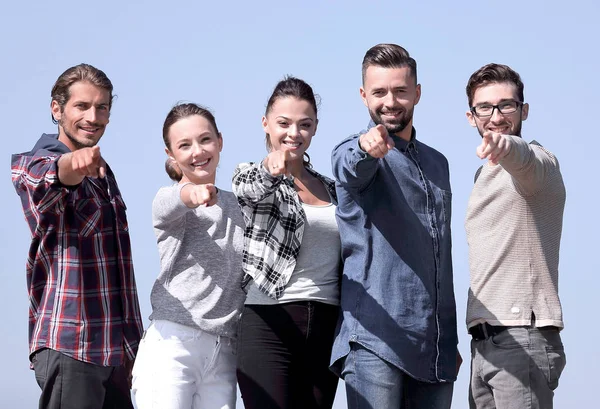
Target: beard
<point>77,143</point>
<point>395,126</point>
<point>515,129</point>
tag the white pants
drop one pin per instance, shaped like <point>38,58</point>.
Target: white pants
<point>178,367</point>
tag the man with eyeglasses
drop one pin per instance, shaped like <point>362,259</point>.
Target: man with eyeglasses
<point>514,223</point>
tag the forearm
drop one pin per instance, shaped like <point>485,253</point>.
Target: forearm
<point>38,179</point>
<point>528,166</point>
<point>252,182</point>
<point>351,165</point>
<point>169,205</point>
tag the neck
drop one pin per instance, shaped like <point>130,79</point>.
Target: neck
<point>202,181</point>
<point>68,142</point>
<point>296,168</point>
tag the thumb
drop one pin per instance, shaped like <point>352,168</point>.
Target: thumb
<point>390,143</point>
<point>286,159</point>
<point>101,168</point>
<point>481,148</point>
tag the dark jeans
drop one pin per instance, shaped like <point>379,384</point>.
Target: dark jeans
<point>283,355</point>
<point>71,384</point>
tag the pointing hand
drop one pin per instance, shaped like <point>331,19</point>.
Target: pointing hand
<point>376,142</point>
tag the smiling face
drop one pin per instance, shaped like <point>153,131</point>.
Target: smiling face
<point>498,93</point>
<point>290,123</point>
<point>196,147</point>
<point>83,119</point>
<point>390,94</point>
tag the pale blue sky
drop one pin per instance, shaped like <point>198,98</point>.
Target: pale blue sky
<point>229,56</point>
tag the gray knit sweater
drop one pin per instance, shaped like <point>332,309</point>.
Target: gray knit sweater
<point>200,249</point>
<point>514,223</point>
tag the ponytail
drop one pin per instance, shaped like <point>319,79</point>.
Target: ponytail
<point>173,170</point>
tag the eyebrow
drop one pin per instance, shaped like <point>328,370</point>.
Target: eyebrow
<point>202,134</point>
<point>303,119</point>
<point>199,135</point>
<point>81,101</point>
<point>499,102</point>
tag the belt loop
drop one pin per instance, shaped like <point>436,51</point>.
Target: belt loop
<point>484,328</point>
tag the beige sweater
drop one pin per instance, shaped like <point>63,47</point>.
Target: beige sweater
<point>514,223</point>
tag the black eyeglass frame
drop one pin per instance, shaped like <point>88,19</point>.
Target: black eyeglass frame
<point>494,107</point>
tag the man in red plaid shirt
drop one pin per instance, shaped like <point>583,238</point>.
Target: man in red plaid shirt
<point>84,316</point>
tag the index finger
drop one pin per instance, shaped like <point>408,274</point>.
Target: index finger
<point>381,130</point>
<point>95,151</point>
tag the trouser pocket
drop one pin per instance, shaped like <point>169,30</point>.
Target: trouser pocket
<point>40,366</point>
<point>556,363</point>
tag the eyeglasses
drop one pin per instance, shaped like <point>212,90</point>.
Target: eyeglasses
<point>505,107</point>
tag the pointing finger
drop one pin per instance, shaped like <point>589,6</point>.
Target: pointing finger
<point>382,131</point>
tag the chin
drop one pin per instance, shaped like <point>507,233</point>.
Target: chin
<point>297,154</point>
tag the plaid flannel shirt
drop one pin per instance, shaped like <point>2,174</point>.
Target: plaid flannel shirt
<point>274,225</point>
<point>82,292</point>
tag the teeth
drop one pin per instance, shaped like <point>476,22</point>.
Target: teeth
<point>292,143</point>
<point>201,163</point>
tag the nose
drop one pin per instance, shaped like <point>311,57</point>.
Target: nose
<point>389,100</point>
<point>497,116</point>
<point>293,130</point>
<point>91,115</point>
<point>197,149</point>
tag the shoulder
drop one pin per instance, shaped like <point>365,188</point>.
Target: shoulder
<point>350,138</point>
<point>432,152</point>
<point>166,192</point>
<point>244,166</point>
<point>226,196</point>
<point>541,150</point>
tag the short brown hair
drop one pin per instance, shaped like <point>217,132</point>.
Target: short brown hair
<point>494,73</point>
<point>388,56</point>
<point>82,72</point>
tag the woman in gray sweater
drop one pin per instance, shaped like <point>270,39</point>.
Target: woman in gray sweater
<point>187,356</point>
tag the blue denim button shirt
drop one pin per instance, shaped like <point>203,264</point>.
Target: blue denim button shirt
<point>397,294</point>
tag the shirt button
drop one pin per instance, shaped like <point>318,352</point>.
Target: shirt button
<point>515,310</point>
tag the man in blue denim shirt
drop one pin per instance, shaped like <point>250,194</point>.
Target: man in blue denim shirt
<point>396,345</point>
